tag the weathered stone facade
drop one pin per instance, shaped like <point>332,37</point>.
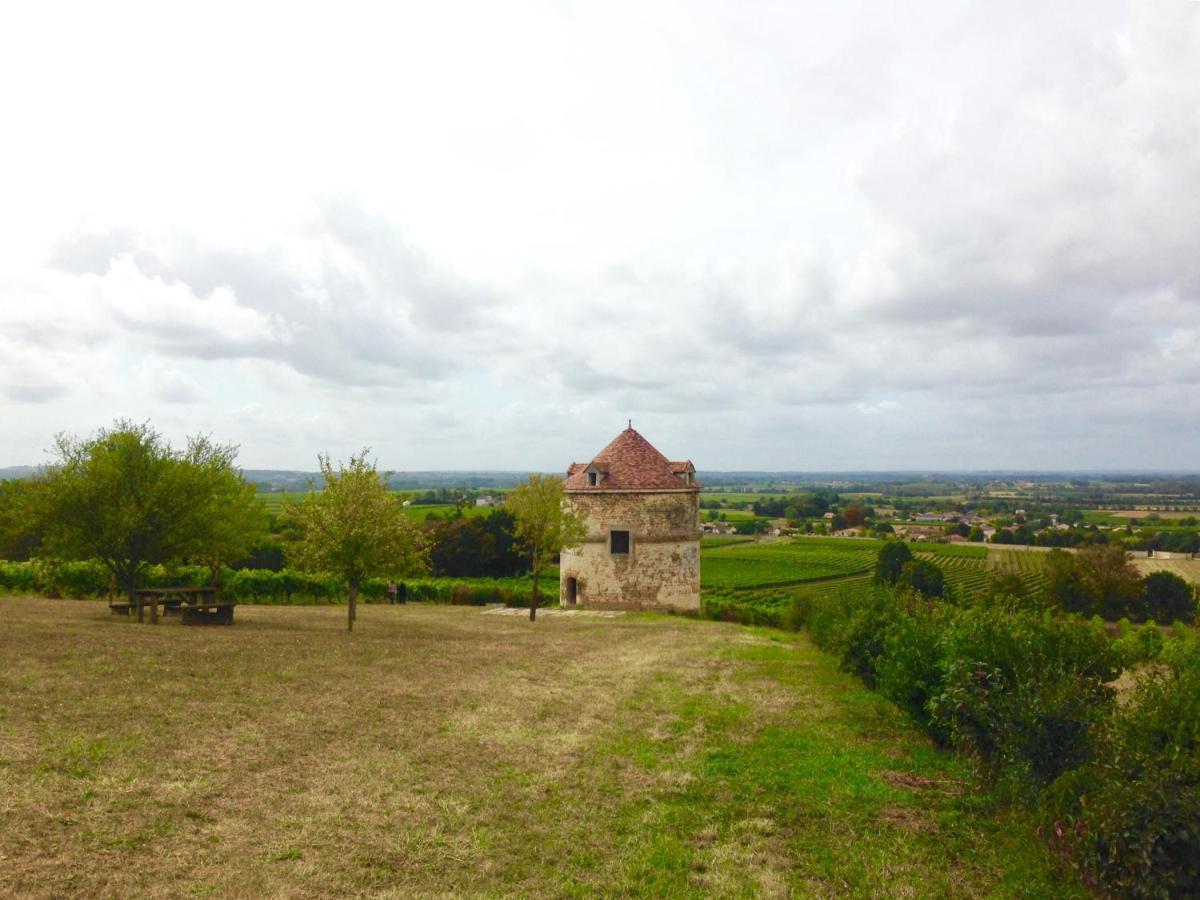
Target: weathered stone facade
<point>642,549</point>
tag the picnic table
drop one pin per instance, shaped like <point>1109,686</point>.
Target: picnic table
<point>195,605</point>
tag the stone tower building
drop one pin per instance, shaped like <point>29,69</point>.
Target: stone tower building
<point>642,549</point>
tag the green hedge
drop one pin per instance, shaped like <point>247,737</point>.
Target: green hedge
<point>91,579</point>
<point>1029,694</point>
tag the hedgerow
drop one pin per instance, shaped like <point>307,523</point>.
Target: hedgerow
<point>262,586</point>
<point>1028,693</point>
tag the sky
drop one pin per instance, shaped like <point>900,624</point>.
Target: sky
<point>779,236</point>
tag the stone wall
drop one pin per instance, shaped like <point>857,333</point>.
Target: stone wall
<point>662,568</point>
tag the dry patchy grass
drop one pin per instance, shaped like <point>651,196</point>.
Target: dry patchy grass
<point>440,750</point>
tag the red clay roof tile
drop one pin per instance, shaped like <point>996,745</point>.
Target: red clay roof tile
<point>630,463</point>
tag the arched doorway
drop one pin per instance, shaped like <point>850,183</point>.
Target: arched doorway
<point>572,591</point>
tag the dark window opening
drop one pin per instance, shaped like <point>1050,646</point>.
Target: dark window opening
<point>593,478</point>
<point>619,542</point>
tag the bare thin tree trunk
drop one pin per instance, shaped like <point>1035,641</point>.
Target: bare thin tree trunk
<point>533,600</point>
<point>352,609</point>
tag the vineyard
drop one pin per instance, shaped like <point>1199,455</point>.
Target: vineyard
<point>758,582</point>
<point>783,563</point>
<point>90,579</point>
<point>1029,566</point>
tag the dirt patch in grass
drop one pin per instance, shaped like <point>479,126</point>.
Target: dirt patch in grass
<point>921,783</point>
<point>908,818</point>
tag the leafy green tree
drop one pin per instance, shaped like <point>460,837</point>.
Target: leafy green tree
<point>1109,579</point>
<point>545,525</point>
<point>892,557</point>
<point>923,576</point>
<point>127,499</point>
<point>20,531</point>
<point>475,547</point>
<point>1064,586</point>
<point>1166,597</point>
<point>356,528</point>
<point>236,514</point>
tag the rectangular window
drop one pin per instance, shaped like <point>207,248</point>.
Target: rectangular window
<point>618,542</point>
<point>593,478</point>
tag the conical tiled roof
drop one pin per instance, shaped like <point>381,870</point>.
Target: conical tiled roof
<point>630,463</point>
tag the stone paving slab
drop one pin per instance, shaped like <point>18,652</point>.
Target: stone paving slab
<point>517,611</point>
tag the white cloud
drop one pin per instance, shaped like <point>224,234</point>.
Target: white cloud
<point>823,236</point>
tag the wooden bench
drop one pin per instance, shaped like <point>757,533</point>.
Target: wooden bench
<point>218,612</point>
<point>195,605</point>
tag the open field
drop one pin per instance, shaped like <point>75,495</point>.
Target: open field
<point>447,750</point>
<point>1187,569</point>
<point>273,502</point>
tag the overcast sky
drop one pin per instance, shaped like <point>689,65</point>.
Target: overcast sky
<point>798,235</point>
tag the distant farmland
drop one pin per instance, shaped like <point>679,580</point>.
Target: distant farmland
<point>274,500</point>
<point>765,577</point>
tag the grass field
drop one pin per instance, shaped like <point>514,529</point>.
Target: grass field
<point>273,502</point>
<point>443,750</point>
<point>1187,569</point>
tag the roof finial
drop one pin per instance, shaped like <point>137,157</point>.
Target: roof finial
<point>631,424</point>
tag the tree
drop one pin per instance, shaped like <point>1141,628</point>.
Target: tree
<point>235,511</point>
<point>1064,584</point>
<point>892,557</point>
<point>923,576</point>
<point>1167,598</point>
<point>127,499</point>
<point>1110,579</point>
<point>474,547</point>
<point>854,516</point>
<point>355,527</point>
<point>545,525</point>
<point>20,530</point>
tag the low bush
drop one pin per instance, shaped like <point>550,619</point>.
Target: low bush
<point>1024,691</point>
<point>1136,805</point>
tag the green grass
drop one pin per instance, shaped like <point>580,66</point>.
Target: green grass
<point>729,515</point>
<point>444,751</point>
<point>707,543</point>
<point>273,501</point>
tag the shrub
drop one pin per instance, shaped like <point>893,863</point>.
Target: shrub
<point>1024,691</point>
<point>910,670</point>
<point>862,640</point>
<point>1138,802</point>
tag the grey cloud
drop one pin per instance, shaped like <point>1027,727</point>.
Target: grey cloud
<point>40,392</point>
<point>90,254</point>
<point>362,307</point>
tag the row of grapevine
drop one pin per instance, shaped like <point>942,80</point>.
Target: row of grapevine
<point>781,563</point>
<point>90,579</point>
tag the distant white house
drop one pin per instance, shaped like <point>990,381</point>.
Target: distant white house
<point>485,500</point>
